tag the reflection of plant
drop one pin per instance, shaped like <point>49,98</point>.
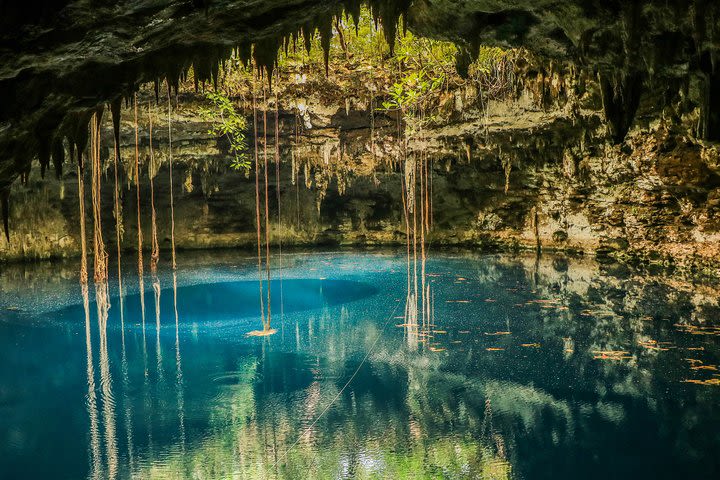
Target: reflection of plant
<point>228,123</point>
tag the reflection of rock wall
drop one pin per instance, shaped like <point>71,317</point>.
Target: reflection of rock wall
<point>426,396</point>
<point>657,199</point>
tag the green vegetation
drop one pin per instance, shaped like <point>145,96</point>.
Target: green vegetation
<point>228,123</point>
<point>417,80</point>
<point>425,70</point>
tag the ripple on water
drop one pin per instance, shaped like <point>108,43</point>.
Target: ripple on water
<point>499,369</point>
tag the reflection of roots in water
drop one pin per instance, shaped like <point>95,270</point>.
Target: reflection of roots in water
<point>126,400</point>
<point>158,350</point>
<point>111,450</point>
<point>419,319</point>
<point>494,447</point>
<point>178,368</point>
<point>141,281</point>
<point>91,398</point>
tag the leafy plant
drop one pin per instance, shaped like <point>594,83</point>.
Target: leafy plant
<point>425,69</point>
<point>228,123</point>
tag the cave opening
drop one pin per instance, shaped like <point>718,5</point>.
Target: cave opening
<point>379,238</point>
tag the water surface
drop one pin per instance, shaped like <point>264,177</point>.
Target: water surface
<point>491,367</point>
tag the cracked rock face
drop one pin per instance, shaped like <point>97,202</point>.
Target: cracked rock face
<point>518,173</point>
<point>60,57</point>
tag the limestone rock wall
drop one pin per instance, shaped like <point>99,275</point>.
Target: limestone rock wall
<point>512,174</point>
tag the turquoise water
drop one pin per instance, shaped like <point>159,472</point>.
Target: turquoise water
<point>507,367</point>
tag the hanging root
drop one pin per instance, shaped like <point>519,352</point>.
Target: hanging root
<point>155,255</point>
<point>507,169</point>
<point>257,204</point>
<point>277,163</point>
<point>172,198</point>
<point>83,241</point>
<point>267,208</point>
<point>137,190</point>
<point>115,106</point>
<point>99,253</point>
<point>277,190</point>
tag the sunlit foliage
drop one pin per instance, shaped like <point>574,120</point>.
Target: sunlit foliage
<point>227,122</point>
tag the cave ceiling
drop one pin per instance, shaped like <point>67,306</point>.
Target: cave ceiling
<point>60,60</point>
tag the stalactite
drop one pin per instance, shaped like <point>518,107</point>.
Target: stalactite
<point>507,169</point>
<point>80,135</point>
<point>5,206</point>
<point>535,226</point>
<point>308,33</point>
<point>172,197</point>
<point>137,191</point>
<point>58,156</point>
<point>265,52</point>
<point>115,108</point>
<point>118,220</point>
<point>44,151</point>
<point>155,254</point>
<point>99,253</point>
<point>326,32</point>
<point>265,56</point>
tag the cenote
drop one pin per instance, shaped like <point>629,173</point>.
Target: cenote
<point>359,239</point>
<point>519,368</point>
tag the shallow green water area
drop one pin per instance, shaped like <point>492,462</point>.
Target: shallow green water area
<point>506,367</point>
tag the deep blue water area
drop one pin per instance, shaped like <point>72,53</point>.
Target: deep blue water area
<point>489,367</point>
